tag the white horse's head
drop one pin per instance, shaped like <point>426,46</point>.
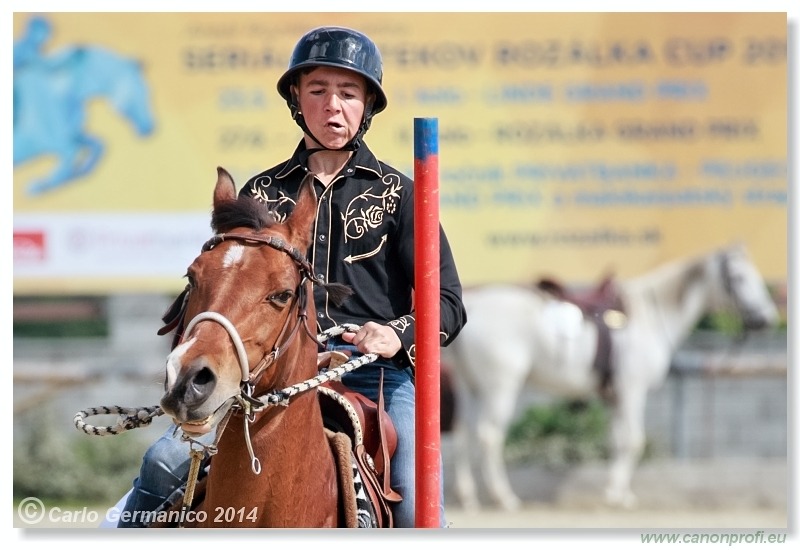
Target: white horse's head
<point>745,290</point>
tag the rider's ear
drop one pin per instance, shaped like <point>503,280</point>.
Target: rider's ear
<point>294,90</point>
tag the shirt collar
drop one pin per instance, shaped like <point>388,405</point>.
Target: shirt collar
<point>362,159</point>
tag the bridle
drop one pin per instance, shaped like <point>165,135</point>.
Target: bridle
<point>249,377</point>
<point>748,317</point>
<point>300,304</point>
<point>727,279</point>
<point>244,401</point>
<point>728,284</point>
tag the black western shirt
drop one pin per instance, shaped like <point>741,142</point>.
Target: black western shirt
<point>364,238</point>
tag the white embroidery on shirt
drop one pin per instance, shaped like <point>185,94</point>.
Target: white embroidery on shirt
<point>350,258</point>
<point>400,324</point>
<point>276,206</point>
<point>365,212</point>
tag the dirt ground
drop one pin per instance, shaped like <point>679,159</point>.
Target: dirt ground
<point>743,493</point>
<point>731,494</point>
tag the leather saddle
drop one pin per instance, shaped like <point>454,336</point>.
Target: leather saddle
<point>602,305</point>
<point>371,431</point>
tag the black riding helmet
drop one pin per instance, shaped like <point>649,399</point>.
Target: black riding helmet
<point>336,47</point>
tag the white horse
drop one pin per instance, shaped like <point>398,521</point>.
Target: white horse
<point>518,335</point>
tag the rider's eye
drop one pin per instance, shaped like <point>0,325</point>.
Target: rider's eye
<point>281,298</point>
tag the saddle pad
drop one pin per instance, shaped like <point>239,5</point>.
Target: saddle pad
<point>358,511</point>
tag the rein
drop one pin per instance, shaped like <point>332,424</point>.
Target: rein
<point>130,418</point>
<point>245,401</point>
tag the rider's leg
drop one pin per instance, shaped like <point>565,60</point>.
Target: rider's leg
<point>165,467</point>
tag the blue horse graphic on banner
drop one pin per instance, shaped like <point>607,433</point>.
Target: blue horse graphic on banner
<point>51,94</point>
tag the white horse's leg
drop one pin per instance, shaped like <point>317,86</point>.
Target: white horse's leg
<point>464,481</point>
<point>494,417</point>
<point>627,441</point>
<point>463,433</point>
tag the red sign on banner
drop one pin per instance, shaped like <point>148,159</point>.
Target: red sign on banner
<point>29,246</point>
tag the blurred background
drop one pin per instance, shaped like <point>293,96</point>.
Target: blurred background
<point>571,145</point>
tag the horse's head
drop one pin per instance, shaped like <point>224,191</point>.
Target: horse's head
<point>745,289</point>
<point>245,306</point>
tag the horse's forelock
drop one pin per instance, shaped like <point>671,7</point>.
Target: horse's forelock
<point>241,212</point>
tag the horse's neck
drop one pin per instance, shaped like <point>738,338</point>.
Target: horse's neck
<point>676,296</point>
<point>278,431</point>
<point>295,459</point>
<point>297,365</point>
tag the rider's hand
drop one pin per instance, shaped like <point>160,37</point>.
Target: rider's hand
<point>374,338</point>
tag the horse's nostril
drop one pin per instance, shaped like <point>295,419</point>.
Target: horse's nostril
<point>203,377</point>
<point>200,386</point>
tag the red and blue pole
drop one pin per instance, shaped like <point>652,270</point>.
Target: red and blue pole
<point>426,299</point>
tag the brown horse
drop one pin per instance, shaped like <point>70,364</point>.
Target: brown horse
<point>247,303</point>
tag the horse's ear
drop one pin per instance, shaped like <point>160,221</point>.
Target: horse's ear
<point>301,220</point>
<point>225,189</point>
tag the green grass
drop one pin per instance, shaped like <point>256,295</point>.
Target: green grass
<point>74,469</point>
<point>565,432</point>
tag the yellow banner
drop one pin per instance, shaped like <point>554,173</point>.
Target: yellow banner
<point>571,144</point>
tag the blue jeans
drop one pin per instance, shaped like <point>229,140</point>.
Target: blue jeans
<point>399,397</point>
<point>165,465</point>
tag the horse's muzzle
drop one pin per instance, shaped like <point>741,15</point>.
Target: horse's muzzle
<point>190,396</point>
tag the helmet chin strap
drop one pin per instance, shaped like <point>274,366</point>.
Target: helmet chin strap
<point>351,145</point>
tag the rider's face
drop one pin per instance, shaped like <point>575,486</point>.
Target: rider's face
<point>332,102</point>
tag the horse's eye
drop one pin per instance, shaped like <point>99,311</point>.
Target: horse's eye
<point>281,298</point>
<point>189,279</point>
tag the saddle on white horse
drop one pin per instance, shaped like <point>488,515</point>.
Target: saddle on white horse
<point>603,306</point>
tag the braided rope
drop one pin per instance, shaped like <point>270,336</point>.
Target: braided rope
<point>282,397</point>
<point>352,414</point>
<point>137,417</point>
<point>337,331</point>
<point>129,418</point>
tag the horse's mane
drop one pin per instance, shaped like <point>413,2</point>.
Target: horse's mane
<point>674,278</point>
<point>243,211</point>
